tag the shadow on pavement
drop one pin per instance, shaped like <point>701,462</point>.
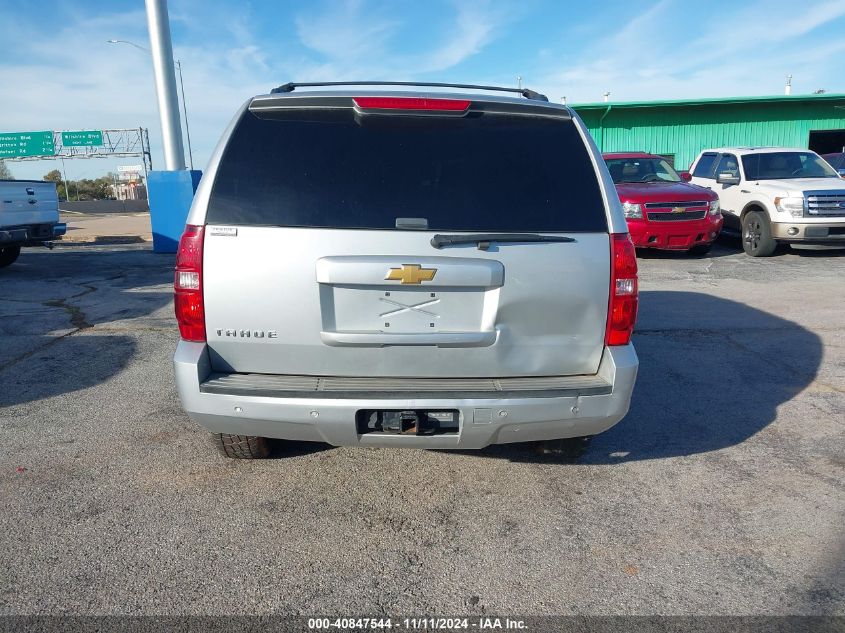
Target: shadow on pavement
<point>720,249</point>
<point>51,305</point>
<point>66,365</point>
<point>282,449</point>
<point>712,374</point>
<point>729,244</point>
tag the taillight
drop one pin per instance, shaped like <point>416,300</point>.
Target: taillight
<point>187,285</point>
<point>411,103</point>
<point>622,307</point>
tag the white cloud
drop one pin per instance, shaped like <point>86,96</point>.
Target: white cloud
<point>359,40</point>
<point>349,31</point>
<point>475,27</point>
<point>744,51</point>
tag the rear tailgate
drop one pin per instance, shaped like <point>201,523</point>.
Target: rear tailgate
<point>26,202</point>
<point>306,273</point>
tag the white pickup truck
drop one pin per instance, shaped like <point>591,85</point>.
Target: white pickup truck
<point>29,216</point>
<point>774,195</point>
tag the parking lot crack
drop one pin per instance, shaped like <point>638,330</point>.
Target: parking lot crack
<point>78,321</point>
<point>77,316</point>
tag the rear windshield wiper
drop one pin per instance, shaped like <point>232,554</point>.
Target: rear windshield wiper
<point>484,239</point>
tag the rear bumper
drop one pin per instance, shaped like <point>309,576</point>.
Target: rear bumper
<point>483,419</point>
<point>32,234</point>
<point>13,236</point>
<point>680,236</point>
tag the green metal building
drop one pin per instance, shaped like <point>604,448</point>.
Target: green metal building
<point>680,129</point>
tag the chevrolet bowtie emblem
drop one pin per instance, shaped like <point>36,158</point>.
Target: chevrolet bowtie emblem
<point>411,274</point>
<point>678,209</point>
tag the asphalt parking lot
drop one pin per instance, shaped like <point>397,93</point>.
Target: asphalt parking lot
<point>720,493</point>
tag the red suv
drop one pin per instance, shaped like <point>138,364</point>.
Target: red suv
<point>662,210</point>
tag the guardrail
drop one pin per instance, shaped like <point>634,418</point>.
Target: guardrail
<point>106,206</point>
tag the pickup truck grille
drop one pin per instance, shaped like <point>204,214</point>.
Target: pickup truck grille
<point>826,203</point>
<point>669,213</point>
<point>685,204</point>
<point>675,217</point>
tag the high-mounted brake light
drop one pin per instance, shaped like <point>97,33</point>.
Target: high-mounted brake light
<point>411,103</point>
<point>622,306</point>
<point>187,285</point>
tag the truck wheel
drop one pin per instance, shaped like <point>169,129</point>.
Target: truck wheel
<point>242,446</point>
<point>757,238</point>
<point>8,255</point>
<point>568,448</point>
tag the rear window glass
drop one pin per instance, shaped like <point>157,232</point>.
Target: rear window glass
<point>482,172</point>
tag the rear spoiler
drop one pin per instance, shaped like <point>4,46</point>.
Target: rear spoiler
<point>286,102</point>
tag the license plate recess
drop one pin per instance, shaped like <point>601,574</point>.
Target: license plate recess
<point>408,421</point>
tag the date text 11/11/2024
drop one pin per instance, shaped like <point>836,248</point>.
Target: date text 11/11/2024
<point>481,623</point>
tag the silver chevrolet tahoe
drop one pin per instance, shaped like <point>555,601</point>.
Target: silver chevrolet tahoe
<point>405,268</point>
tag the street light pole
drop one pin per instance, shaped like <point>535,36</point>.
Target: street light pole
<point>178,65</point>
<point>161,49</point>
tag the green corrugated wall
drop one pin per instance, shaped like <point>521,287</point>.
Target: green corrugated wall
<point>684,130</point>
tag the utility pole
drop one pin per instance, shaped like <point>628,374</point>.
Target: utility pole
<point>67,183</point>
<point>185,113</point>
<point>161,48</point>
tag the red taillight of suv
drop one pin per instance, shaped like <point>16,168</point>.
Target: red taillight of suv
<point>187,285</point>
<point>622,307</point>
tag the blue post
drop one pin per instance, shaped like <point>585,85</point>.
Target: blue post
<point>170,194</point>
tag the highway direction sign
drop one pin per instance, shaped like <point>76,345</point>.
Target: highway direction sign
<point>82,138</point>
<point>16,144</point>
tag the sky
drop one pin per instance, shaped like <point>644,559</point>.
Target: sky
<point>58,72</point>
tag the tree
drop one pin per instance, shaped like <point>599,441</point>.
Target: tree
<point>85,189</point>
<point>56,177</point>
<point>5,172</point>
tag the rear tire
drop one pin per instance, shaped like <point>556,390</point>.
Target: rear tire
<point>701,249</point>
<point>568,448</point>
<point>757,238</point>
<point>8,255</point>
<point>242,446</point>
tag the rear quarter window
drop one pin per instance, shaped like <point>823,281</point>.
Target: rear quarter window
<point>336,169</point>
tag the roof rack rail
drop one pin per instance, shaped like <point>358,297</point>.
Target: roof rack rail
<point>525,92</point>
